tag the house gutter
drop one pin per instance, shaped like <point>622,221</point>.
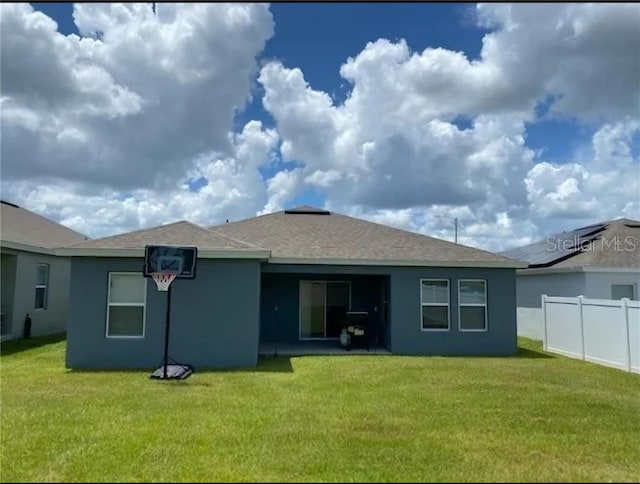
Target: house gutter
<point>566,270</point>
<point>265,255</point>
<point>4,244</point>
<point>400,263</point>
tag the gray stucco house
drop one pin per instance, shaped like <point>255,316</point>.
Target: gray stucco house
<point>35,281</point>
<point>599,261</point>
<point>286,279</point>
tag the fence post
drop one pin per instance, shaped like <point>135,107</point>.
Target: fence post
<point>544,322</point>
<point>581,326</point>
<point>625,309</point>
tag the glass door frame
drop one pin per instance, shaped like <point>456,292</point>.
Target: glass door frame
<point>324,282</point>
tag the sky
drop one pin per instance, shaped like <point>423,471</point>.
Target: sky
<point>516,120</point>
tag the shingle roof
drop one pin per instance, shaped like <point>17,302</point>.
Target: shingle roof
<point>181,233</point>
<point>20,226</point>
<point>339,237</point>
<point>617,245</point>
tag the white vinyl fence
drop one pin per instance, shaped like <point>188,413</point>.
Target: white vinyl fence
<point>602,331</point>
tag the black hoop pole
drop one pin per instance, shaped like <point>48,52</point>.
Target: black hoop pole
<point>166,332</point>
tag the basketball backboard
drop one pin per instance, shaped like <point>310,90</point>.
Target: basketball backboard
<point>168,259</point>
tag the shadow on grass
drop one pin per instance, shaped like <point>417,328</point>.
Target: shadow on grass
<point>266,364</point>
<point>531,348</point>
<point>529,353</point>
<point>20,345</point>
<point>278,364</point>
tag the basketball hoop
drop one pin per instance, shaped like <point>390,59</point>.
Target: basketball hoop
<point>163,280</point>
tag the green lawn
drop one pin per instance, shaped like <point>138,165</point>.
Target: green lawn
<point>336,418</point>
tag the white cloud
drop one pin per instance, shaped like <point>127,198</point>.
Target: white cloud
<point>46,72</point>
<point>281,188</point>
<point>233,190</point>
<point>605,184</point>
<point>104,131</point>
<point>393,151</point>
<point>117,122</point>
<point>393,172</point>
<point>133,105</point>
<point>582,54</point>
<point>559,190</point>
<point>324,179</point>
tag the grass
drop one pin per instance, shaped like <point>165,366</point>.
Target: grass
<point>336,418</point>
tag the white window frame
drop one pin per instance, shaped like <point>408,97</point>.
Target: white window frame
<point>109,304</point>
<point>422,304</point>
<point>634,289</point>
<point>486,312</point>
<point>45,286</point>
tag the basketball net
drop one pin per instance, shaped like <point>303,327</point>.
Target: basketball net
<point>163,280</point>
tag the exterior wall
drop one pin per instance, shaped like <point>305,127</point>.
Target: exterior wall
<point>530,289</point>
<point>407,336</point>
<point>53,318</point>
<point>280,305</point>
<point>598,284</point>
<point>214,318</point>
<point>405,333</point>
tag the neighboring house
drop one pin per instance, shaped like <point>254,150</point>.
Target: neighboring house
<point>600,261</point>
<point>287,278</point>
<point>34,280</point>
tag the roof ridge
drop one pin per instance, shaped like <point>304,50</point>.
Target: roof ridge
<point>226,224</point>
<point>200,236</point>
<point>237,241</point>
<point>622,220</point>
<point>344,237</point>
<point>606,224</point>
<point>109,237</point>
<point>224,236</point>
<point>45,219</point>
<point>412,239</point>
<point>415,234</point>
<point>232,239</point>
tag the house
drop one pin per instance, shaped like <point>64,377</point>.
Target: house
<point>599,261</point>
<point>34,281</point>
<point>282,280</point>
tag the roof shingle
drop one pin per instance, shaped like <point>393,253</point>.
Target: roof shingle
<point>181,233</point>
<point>21,226</point>
<point>336,236</point>
<point>618,245</point>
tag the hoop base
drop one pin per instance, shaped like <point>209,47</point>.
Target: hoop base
<point>163,280</point>
<point>174,372</point>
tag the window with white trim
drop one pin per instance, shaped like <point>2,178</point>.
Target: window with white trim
<point>126,305</point>
<point>42,286</point>
<point>434,304</point>
<point>618,291</point>
<point>472,304</point>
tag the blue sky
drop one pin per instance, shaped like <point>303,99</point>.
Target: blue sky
<point>319,37</point>
<point>529,131</point>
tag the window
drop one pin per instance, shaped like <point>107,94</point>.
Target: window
<point>42,283</point>
<point>126,305</point>
<point>434,303</point>
<point>472,304</point>
<point>618,291</point>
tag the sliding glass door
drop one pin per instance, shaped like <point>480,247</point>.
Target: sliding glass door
<point>312,298</point>
<point>323,308</point>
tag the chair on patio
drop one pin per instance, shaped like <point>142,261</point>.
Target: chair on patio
<point>357,326</point>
